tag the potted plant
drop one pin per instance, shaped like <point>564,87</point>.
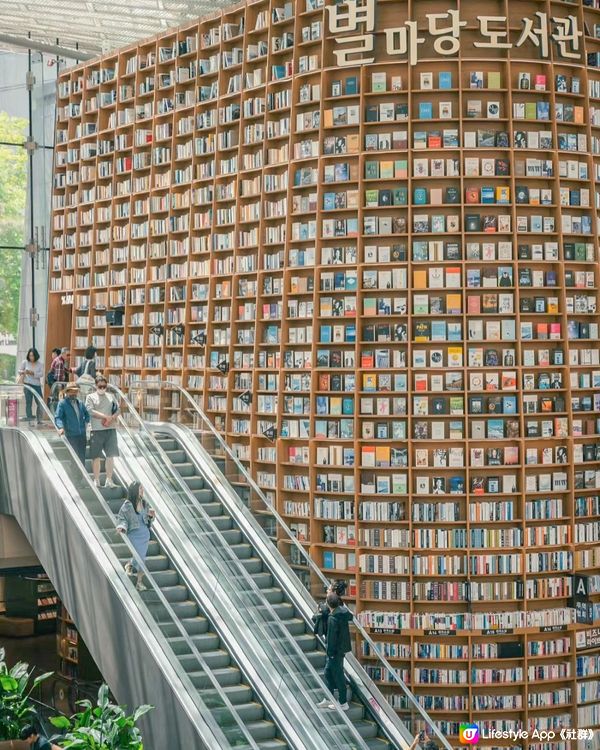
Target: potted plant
<point>16,686</point>
<point>104,726</point>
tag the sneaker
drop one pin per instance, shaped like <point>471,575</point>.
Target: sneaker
<point>128,569</point>
<point>340,706</point>
<point>140,587</point>
<point>109,483</point>
<point>324,703</point>
<point>97,483</point>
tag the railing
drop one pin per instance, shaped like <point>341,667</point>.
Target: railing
<point>296,684</point>
<point>215,708</point>
<point>169,402</point>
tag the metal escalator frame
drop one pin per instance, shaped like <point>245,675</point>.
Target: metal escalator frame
<point>151,624</point>
<point>279,567</point>
<point>127,468</point>
<point>204,726</point>
<point>195,581</point>
<point>325,737</point>
<point>372,698</point>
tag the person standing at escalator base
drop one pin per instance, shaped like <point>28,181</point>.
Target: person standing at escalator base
<point>31,373</point>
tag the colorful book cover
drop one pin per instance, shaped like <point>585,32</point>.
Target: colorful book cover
<point>445,79</point>
<point>425,110</point>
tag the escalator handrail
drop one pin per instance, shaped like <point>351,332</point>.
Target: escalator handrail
<point>373,689</point>
<point>327,729</point>
<point>364,688</point>
<point>130,465</point>
<point>216,731</point>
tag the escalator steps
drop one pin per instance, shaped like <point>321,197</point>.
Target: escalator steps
<point>227,674</point>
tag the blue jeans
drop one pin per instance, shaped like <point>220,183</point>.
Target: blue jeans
<point>29,402</point>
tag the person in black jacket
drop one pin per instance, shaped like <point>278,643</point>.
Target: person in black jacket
<point>322,614</point>
<point>338,645</point>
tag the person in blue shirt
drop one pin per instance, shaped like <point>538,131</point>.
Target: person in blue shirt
<point>71,419</point>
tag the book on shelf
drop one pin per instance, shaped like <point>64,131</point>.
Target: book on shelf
<point>445,79</point>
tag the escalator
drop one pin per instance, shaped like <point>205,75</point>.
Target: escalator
<point>216,681</point>
<point>297,626</point>
<point>272,633</point>
<point>154,646</point>
<point>222,488</point>
<point>224,671</point>
<point>137,641</point>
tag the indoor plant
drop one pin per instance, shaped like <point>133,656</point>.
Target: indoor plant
<point>16,708</point>
<point>104,726</point>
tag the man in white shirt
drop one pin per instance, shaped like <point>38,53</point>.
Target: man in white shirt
<point>104,412</point>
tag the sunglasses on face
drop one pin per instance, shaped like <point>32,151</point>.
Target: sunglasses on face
<point>101,386</point>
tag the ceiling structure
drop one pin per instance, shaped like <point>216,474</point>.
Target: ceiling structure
<point>93,26</point>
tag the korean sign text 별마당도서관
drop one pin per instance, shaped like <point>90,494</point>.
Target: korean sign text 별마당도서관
<point>403,41</point>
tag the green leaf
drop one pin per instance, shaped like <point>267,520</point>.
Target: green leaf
<point>104,726</point>
<point>60,722</point>
<point>103,696</point>
<point>41,678</point>
<point>8,683</point>
<point>20,670</point>
<point>75,744</point>
<point>141,711</point>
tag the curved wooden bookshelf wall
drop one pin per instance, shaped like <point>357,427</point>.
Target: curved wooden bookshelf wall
<point>403,270</point>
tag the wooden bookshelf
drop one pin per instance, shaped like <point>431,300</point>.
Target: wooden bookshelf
<point>76,662</point>
<point>34,597</point>
<point>400,264</point>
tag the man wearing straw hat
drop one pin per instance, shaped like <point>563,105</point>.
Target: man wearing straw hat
<point>71,419</point>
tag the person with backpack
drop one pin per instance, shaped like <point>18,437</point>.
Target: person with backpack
<point>57,376</point>
<point>49,379</point>
<point>321,616</point>
<point>30,734</point>
<point>86,372</point>
<point>71,419</point>
<point>338,645</point>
